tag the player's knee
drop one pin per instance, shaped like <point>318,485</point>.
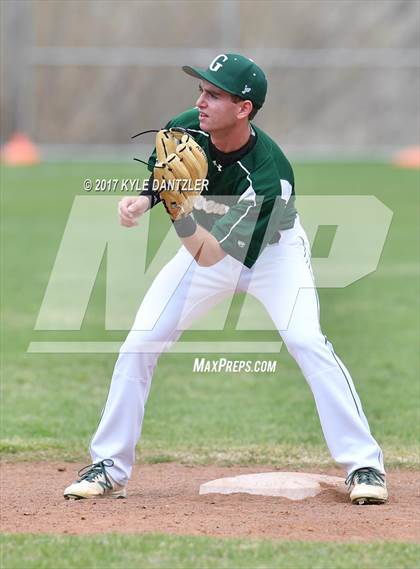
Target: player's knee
<point>147,342</point>
<point>136,357</point>
<point>137,343</point>
<point>304,341</point>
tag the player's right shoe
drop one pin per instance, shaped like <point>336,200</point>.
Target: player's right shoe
<point>95,482</point>
<point>367,486</point>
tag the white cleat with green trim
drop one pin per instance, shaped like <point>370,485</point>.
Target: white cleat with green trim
<point>367,486</point>
<point>94,482</point>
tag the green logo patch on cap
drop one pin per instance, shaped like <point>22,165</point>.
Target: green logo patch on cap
<point>236,75</point>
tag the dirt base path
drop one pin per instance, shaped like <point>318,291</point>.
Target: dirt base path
<point>164,498</point>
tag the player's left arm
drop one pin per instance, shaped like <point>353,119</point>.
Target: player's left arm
<point>204,247</point>
<point>181,159</point>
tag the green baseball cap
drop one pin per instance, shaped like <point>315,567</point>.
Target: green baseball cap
<point>236,75</point>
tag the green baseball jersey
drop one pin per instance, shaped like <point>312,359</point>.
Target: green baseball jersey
<point>250,195</point>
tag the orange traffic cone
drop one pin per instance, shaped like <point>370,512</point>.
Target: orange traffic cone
<point>408,157</point>
<point>19,151</point>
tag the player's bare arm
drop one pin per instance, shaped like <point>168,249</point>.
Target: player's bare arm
<point>204,247</point>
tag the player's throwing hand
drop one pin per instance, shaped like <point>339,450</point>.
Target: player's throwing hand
<point>131,208</point>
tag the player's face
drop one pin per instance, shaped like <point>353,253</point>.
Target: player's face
<point>217,111</point>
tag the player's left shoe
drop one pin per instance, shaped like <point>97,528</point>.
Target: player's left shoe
<point>95,482</point>
<point>367,486</point>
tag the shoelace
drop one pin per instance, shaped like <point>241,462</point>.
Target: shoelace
<point>92,471</point>
<point>366,476</point>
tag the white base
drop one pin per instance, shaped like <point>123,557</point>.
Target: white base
<point>292,485</point>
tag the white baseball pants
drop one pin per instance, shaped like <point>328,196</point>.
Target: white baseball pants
<point>282,281</point>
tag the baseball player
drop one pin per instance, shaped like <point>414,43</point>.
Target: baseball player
<point>241,234</point>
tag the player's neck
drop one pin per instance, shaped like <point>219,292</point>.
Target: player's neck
<point>229,140</point>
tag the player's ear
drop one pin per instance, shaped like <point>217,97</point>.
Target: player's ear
<point>245,109</point>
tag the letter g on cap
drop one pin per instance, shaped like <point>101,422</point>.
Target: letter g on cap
<point>215,65</point>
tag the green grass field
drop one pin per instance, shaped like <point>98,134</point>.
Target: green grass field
<point>51,402</point>
<point>164,552</point>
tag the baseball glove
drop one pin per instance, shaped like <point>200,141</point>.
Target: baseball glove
<point>180,169</point>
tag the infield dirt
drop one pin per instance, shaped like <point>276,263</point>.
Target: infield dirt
<point>164,498</point>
